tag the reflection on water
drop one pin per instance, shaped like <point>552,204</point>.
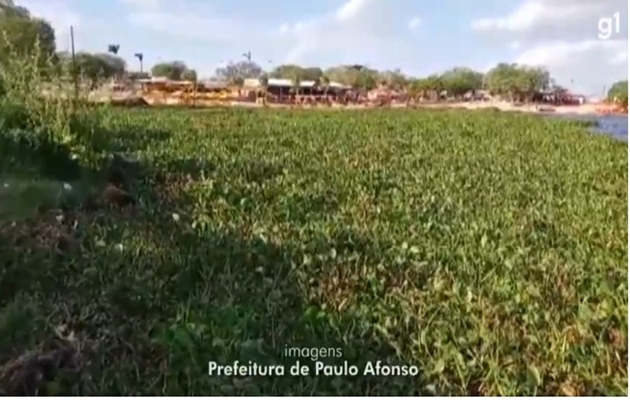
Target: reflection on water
<point>612,125</point>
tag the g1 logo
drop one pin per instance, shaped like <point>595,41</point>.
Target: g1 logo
<point>608,25</point>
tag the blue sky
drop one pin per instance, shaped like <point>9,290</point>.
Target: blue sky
<point>418,36</point>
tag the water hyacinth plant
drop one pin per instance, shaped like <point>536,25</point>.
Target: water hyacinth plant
<point>486,250</point>
<point>489,250</point>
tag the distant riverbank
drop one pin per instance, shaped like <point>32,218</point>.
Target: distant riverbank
<point>580,110</point>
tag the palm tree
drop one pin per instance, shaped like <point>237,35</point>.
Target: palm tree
<point>140,57</point>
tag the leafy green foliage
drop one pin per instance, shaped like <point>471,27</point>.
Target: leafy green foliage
<point>93,67</point>
<point>189,75</point>
<point>460,81</point>
<point>619,93</point>
<point>24,36</point>
<point>364,78</point>
<point>290,71</point>
<point>516,81</point>
<point>171,70</point>
<point>489,250</point>
<point>175,70</point>
<point>237,72</point>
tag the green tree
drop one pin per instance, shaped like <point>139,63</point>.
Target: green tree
<point>285,71</point>
<point>6,4</point>
<point>395,80</point>
<point>618,89</point>
<point>91,67</point>
<point>189,75</point>
<point>515,81</point>
<point>356,76</point>
<point>312,74</point>
<point>113,66</point>
<point>461,80</point>
<point>420,88</point>
<point>236,73</point>
<point>366,79</point>
<point>435,83</point>
<point>63,65</point>
<point>336,74</point>
<point>428,87</point>
<point>618,93</point>
<point>135,75</point>
<point>501,80</point>
<point>25,36</point>
<point>289,71</point>
<point>172,70</point>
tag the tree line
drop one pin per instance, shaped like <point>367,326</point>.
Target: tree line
<point>25,34</point>
<point>618,93</point>
<point>28,37</point>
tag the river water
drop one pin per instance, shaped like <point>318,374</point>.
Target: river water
<point>615,126</point>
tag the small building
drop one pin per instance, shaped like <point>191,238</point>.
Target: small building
<point>286,88</point>
<point>286,85</point>
<point>559,97</point>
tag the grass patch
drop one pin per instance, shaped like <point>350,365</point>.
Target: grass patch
<point>488,250</point>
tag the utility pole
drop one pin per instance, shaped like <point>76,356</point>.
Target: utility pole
<point>248,56</point>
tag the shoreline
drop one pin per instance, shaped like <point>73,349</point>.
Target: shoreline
<point>579,110</point>
<point>589,109</point>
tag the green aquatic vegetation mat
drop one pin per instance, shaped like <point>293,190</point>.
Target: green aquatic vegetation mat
<point>488,250</point>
